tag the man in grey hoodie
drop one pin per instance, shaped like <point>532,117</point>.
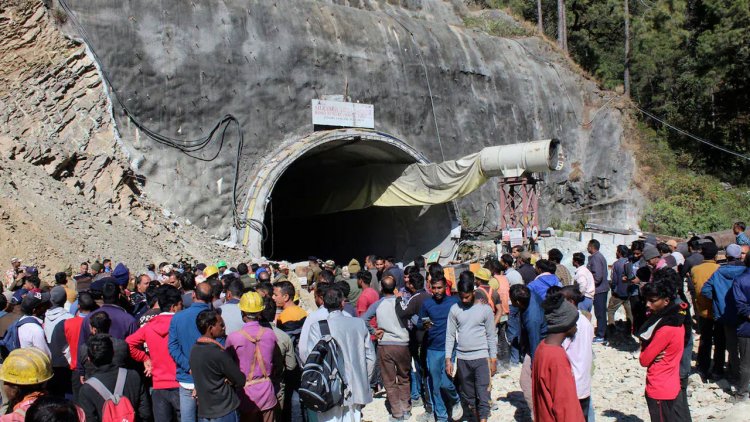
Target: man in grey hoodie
<point>56,314</point>
<point>471,329</point>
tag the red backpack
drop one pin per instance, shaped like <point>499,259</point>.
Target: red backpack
<point>117,408</point>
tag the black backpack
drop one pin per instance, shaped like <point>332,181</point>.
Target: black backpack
<point>322,385</point>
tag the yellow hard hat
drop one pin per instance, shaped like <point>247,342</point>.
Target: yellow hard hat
<point>27,366</point>
<point>251,302</point>
<point>211,270</point>
<point>483,274</point>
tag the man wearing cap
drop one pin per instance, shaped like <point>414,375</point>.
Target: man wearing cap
<point>55,316</point>
<point>724,308</point>
<point>252,348</point>
<point>30,331</point>
<point>653,258</point>
<point>283,273</point>
<point>486,294</point>
<point>741,293</point>
<point>554,390</point>
<point>354,290</point>
<point>121,274</point>
<point>97,271</point>
<point>527,271</point>
<point>12,275</point>
<point>221,266</point>
<point>56,313</point>
<point>710,336</point>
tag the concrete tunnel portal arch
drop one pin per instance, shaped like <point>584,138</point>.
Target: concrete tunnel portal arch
<point>286,196</point>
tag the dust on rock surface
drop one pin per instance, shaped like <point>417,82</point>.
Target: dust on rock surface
<point>67,193</point>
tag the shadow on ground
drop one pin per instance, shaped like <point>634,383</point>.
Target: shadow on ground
<point>621,417</point>
<point>516,399</point>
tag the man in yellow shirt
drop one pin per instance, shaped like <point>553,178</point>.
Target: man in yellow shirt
<point>290,320</point>
<point>711,332</point>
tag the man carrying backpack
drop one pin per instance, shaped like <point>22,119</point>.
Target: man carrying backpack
<point>27,331</point>
<point>112,394</point>
<point>352,340</point>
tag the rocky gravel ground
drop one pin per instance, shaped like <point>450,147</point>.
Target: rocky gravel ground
<point>618,388</point>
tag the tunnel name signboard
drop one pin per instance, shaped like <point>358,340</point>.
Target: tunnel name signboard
<point>326,113</point>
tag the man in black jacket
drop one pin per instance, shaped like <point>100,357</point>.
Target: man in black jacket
<point>100,353</point>
<point>215,374</point>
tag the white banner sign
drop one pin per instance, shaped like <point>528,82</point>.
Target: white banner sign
<point>337,113</point>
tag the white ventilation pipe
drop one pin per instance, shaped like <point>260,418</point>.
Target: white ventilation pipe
<point>516,159</point>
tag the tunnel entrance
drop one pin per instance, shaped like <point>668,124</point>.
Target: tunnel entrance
<point>307,214</point>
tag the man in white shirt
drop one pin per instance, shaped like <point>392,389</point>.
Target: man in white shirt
<point>585,281</point>
<point>580,353</point>
<point>30,332</point>
<point>313,318</point>
<point>680,258</point>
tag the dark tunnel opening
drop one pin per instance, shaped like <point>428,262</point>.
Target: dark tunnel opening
<point>306,214</point>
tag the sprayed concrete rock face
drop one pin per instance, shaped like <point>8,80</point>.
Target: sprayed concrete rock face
<point>179,67</point>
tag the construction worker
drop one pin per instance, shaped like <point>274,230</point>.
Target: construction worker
<point>25,373</point>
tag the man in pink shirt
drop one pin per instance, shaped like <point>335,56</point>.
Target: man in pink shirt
<point>252,347</point>
<point>368,296</point>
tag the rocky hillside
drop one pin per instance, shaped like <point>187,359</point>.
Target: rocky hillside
<point>66,191</point>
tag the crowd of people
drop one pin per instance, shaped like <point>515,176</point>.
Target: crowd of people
<point>181,342</point>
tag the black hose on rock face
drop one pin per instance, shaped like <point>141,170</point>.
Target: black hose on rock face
<point>187,147</point>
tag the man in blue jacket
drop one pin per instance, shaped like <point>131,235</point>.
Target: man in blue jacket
<point>433,317</point>
<point>183,333</point>
<point>741,293</point>
<point>622,288</point>
<point>546,278</point>
<point>719,290</point>
<point>533,329</point>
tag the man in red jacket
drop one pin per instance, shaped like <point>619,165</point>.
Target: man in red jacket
<point>157,362</point>
<point>72,329</point>
<point>662,342</point>
<point>553,385</point>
